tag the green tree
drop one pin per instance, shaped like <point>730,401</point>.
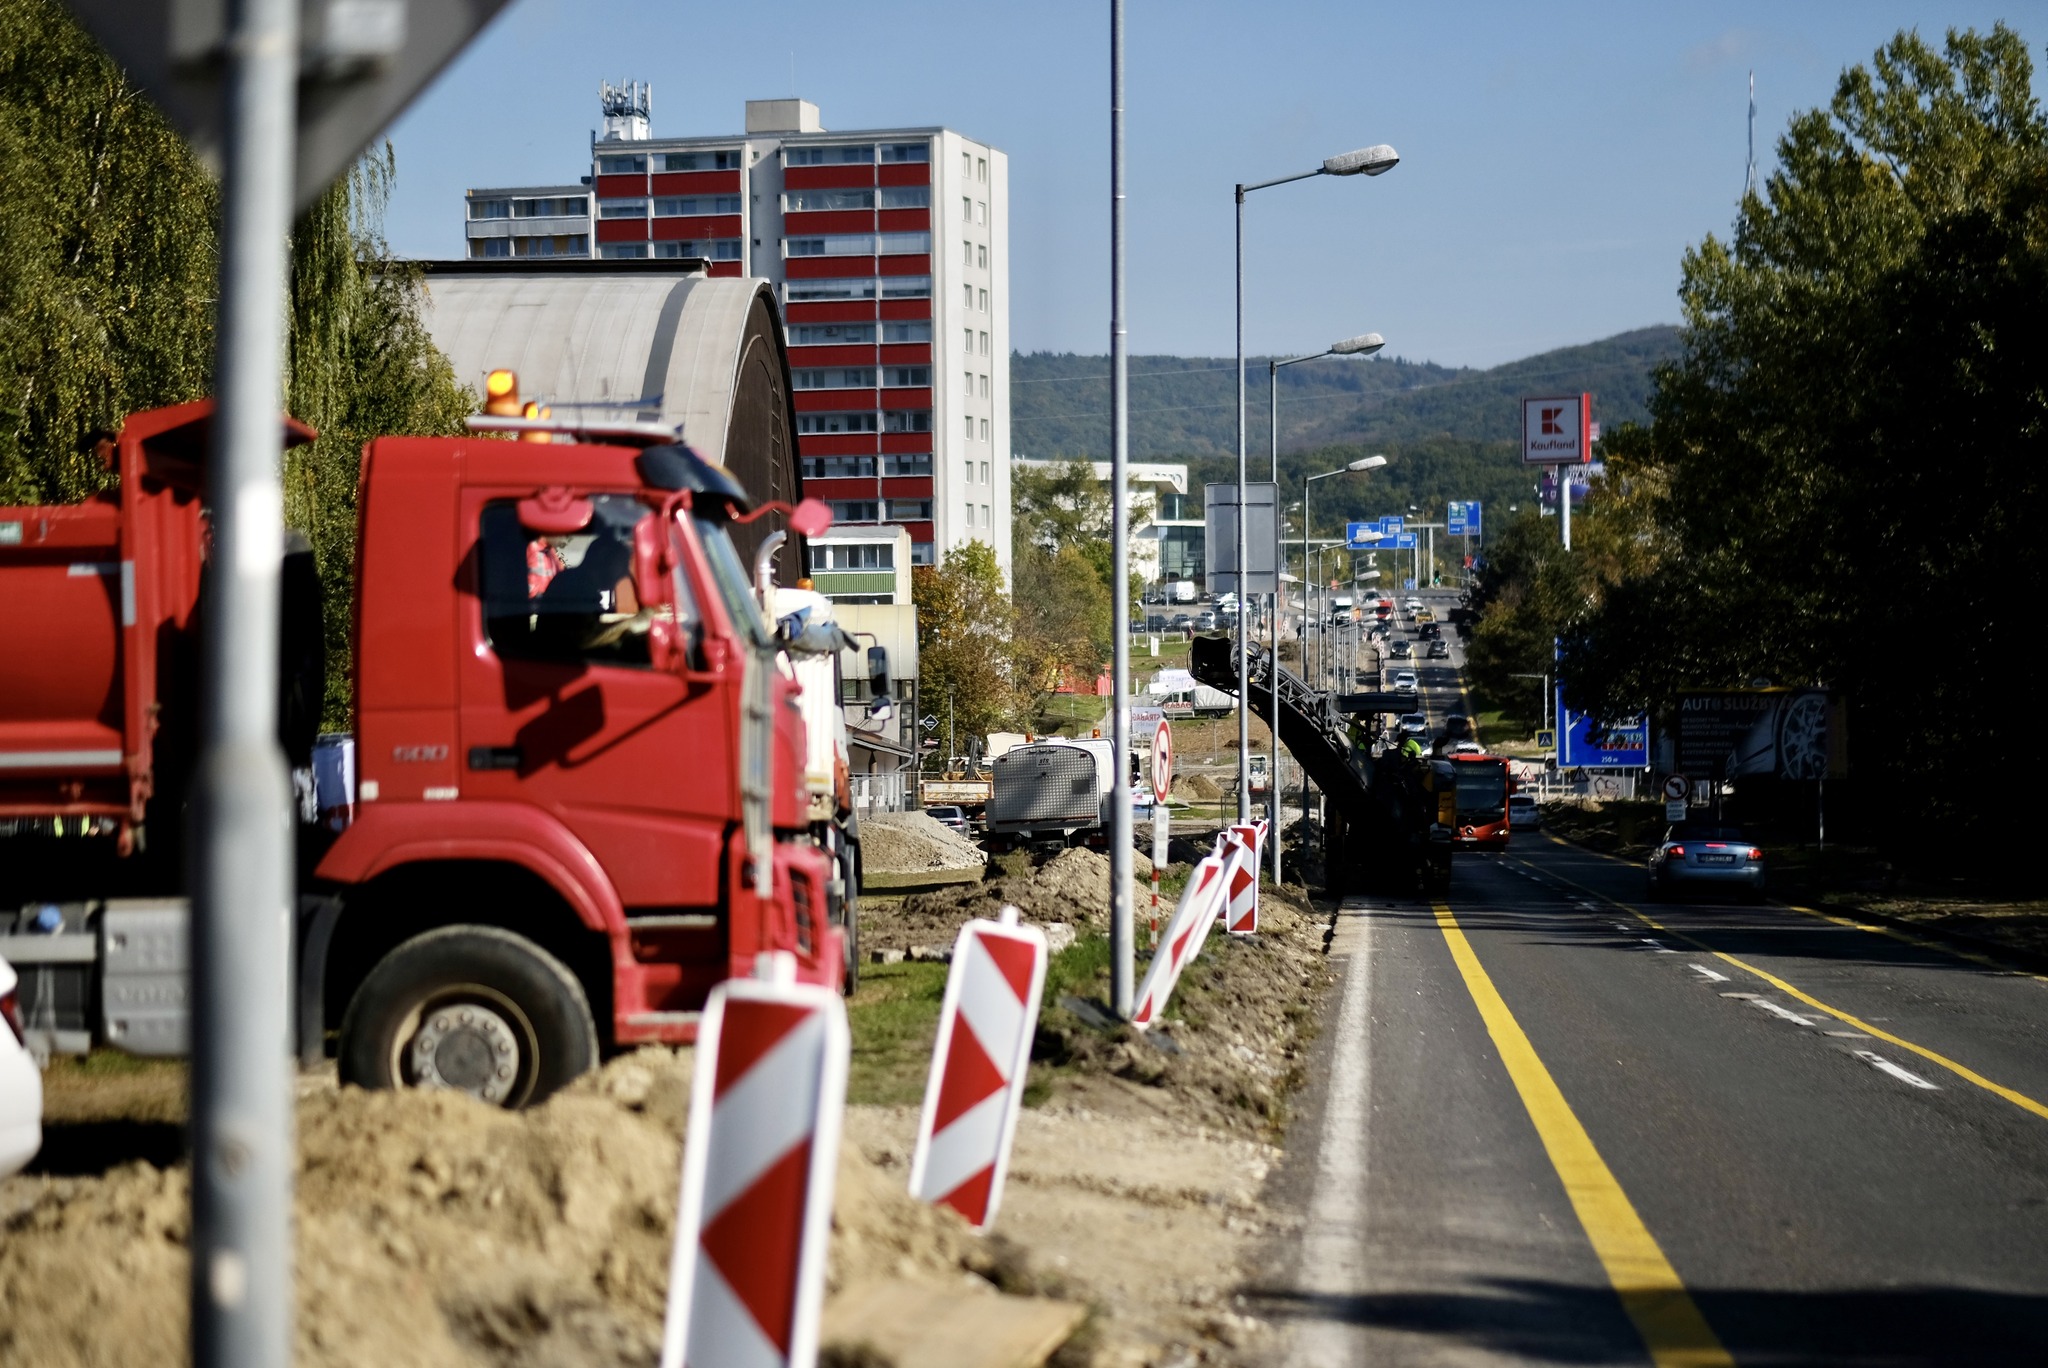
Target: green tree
<point>964,634</point>
<point>1062,616</point>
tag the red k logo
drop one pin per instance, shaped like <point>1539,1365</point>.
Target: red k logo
<point>1551,427</point>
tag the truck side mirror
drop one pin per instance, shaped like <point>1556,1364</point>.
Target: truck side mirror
<point>810,518</point>
<point>880,706</point>
<point>668,643</point>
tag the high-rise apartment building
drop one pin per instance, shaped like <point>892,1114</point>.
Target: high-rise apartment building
<point>889,251</point>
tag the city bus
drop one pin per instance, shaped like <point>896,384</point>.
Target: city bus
<point>1483,789</point>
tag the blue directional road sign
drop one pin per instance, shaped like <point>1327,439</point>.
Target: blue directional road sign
<point>1585,742</point>
<point>1461,517</point>
<point>1362,534</point>
<point>1390,525</point>
<point>1400,541</point>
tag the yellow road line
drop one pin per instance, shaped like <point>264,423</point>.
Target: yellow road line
<point>1962,1071</point>
<point>1672,1328</point>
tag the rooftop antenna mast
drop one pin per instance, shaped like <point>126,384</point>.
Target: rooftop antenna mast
<point>1749,182</point>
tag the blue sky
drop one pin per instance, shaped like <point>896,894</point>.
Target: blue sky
<point>1558,158</point>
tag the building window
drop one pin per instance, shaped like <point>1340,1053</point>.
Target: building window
<point>622,209</point>
<point>906,377</point>
<point>970,471</point>
<point>910,510</point>
<point>981,211</point>
<point>802,201</point>
<point>906,152</point>
<point>797,291</point>
<point>831,334</point>
<point>981,168</point>
<point>985,518</point>
<point>968,376</point>
<point>687,205</point>
<point>490,247</point>
<point>966,254</point>
<point>565,206</point>
<point>967,296</point>
<point>552,600</point>
<point>984,429</point>
<point>836,377</point>
<point>858,556</point>
<point>906,197</point>
<point>984,387</point>
<point>829,156</point>
<point>984,344</point>
<point>698,161</point>
<point>966,164</point>
<point>725,249</point>
<point>984,301</point>
<point>923,553</point>
<point>845,244</point>
<point>907,420</point>
<point>970,428</point>
<point>968,340</point>
<point>908,463</point>
<point>984,472</point>
<point>490,209</point>
<point>906,332</point>
<point>839,467</point>
<point>823,424</point>
<point>982,252</point>
<point>621,166</point>
<point>538,246</point>
<point>902,244</point>
<point>624,251</point>
<point>906,287</point>
<point>966,209</point>
<point>855,510</point>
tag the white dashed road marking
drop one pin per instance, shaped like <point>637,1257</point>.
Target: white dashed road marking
<point>1885,1066</point>
<point>1710,975</point>
<point>1785,1012</point>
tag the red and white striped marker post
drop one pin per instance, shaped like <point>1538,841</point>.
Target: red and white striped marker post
<point>976,1088</point>
<point>1185,931</point>
<point>748,1272</point>
<point>1241,903</point>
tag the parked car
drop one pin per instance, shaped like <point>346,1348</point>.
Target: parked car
<point>948,815</point>
<point>1707,857</point>
<point>1438,650</point>
<point>1183,622</point>
<point>1155,622</point>
<point>1404,679</point>
<point>1522,812</point>
<point>1205,622</point>
<point>1401,650</point>
<point>21,1085</point>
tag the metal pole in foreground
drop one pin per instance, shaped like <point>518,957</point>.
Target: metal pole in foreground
<point>1244,698</point>
<point>1279,588</point>
<point>1121,931</point>
<point>241,885</point>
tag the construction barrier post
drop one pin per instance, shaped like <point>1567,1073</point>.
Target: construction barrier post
<point>976,1088</point>
<point>747,1276</point>
<point>1189,926</point>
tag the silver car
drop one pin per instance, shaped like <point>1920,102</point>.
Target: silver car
<point>1702,856</point>
<point>948,815</point>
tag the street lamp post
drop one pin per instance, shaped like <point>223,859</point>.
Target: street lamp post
<point>1365,344</point>
<point>1368,161</point>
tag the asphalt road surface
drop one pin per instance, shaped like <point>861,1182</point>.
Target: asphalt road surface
<point>1557,1123</point>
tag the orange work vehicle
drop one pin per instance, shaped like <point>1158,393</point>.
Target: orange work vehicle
<point>577,800</point>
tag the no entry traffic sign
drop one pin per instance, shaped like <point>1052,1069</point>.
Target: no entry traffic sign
<point>1162,761</point>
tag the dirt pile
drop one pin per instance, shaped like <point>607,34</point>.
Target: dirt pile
<point>1198,788</point>
<point>912,843</point>
<point>1071,887</point>
<point>432,1231</point>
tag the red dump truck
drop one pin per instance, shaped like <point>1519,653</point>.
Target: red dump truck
<point>577,800</point>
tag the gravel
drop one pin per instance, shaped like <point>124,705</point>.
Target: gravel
<point>912,843</point>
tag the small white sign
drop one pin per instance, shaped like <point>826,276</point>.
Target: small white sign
<point>1674,810</point>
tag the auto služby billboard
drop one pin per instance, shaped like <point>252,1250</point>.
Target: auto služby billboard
<point>1787,733</point>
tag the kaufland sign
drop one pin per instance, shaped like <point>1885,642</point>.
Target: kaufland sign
<point>1557,431</point>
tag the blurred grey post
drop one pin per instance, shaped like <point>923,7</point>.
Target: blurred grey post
<point>241,855</point>
<point>1122,927</point>
<point>1370,342</point>
<point>1369,161</point>
<point>1363,345</point>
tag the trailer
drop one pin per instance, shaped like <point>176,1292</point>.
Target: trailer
<point>1055,790</point>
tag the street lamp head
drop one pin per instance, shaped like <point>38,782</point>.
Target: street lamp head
<point>1367,161</point>
<point>1367,463</point>
<point>1365,344</point>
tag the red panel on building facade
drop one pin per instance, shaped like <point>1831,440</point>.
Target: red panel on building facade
<point>834,401</point>
<point>906,354</point>
<point>828,268</point>
<point>702,227</point>
<point>906,173</point>
<point>836,444</point>
<point>906,399</point>
<point>857,487</point>
<point>904,487</point>
<point>906,308</point>
<point>906,443</point>
<point>623,187</point>
<point>919,532</point>
<point>726,268</point>
<point>829,177</point>
<point>905,265</point>
<point>622,230</point>
<point>905,220</point>
<point>693,183</point>
<point>835,311</point>
<point>800,357</point>
<point>829,221</point>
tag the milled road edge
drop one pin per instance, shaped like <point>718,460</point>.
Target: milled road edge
<point>1673,1330</point>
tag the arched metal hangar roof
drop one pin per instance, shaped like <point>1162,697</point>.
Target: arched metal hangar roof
<point>652,340</point>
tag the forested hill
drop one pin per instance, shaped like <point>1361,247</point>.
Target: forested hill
<point>1186,406</point>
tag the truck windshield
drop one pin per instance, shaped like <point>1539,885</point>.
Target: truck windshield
<point>1482,790</point>
<point>734,588</point>
<point>564,598</point>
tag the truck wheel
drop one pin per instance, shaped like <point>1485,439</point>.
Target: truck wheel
<point>473,1009</point>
